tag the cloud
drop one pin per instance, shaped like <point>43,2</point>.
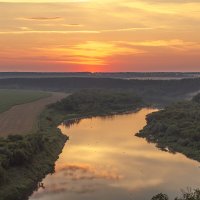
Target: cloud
<point>40,18</point>
<point>72,25</point>
<point>49,32</point>
<point>24,28</point>
<point>97,31</point>
<point>89,53</point>
<point>127,29</point>
<point>159,43</point>
<point>78,172</point>
<point>171,1</point>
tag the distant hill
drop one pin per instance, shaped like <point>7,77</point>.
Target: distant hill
<point>154,91</point>
<point>120,75</point>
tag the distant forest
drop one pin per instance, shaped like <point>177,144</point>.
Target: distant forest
<point>125,75</point>
<point>153,91</point>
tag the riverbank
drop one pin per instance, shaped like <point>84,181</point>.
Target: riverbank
<point>29,158</point>
<point>176,128</point>
<point>26,160</point>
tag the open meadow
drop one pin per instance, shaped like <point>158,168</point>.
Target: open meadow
<point>20,109</point>
<point>10,98</point>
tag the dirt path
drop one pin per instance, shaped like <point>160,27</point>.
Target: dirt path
<point>21,119</point>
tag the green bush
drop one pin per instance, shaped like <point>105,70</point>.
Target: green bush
<point>176,127</point>
<point>196,98</point>
<point>15,137</point>
<point>2,175</point>
<point>189,195</point>
<point>160,197</point>
<point>98,101</point>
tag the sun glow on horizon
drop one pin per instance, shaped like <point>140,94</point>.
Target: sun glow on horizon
<point>112,35</point>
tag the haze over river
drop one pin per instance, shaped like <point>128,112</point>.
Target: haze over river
<point>105,160</point>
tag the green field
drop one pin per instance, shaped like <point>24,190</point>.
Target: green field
<point>10,98</point>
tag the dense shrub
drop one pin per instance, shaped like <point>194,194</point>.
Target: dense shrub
<point>98,101</point>
<point>196,98</point>
<point>176,127</point>
<point>189,195</point>
<point>17,150</point>
<point>160,197</point>
<point>2,175</point>
<point>15,137</point>
<point>195,195</point>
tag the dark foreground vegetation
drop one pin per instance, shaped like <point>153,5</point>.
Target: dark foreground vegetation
<point>188,195</point>
<point>176,128</point>
<point>25,160</point>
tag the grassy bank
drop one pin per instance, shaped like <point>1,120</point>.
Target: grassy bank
<point>25,160</point>
<point>176,128</point>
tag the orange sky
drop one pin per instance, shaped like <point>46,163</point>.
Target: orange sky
<point>100,35</point>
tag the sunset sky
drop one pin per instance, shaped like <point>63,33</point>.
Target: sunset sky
<point>100,35</point>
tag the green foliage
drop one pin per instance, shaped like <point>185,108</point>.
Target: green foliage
<point>196,98</point>
<point>15,137</point>
<point>2,175</point>
<point>10,98</point>
<point>176,127</point>
<point>16,150</point>
<point>25,160</point>
<point>195,195</point>
<point>98,102</point>
<point>189,195</point>
<point>160,197</point>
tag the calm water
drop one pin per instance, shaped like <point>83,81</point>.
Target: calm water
<point>104,160</point>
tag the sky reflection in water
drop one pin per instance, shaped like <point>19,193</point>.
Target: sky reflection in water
<point>104,160</point>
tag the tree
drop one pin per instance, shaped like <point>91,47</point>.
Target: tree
<point>196,98</point>
<point>160,196</point>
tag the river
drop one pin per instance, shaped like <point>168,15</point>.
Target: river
<point>105,160</point>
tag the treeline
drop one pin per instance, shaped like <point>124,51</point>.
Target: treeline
<point>100,74</point>
<point>176,128</point>
<point>188,195</point>
<point>98,102</point>
<point>155,91</point>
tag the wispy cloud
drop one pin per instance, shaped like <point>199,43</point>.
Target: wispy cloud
<point>158,43</point>
<point>175,44</point>
<point>31,31</point>
<point>49,32</point>
<point>72,25</point>
<point>39,18</point>
<point>89,53</point>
